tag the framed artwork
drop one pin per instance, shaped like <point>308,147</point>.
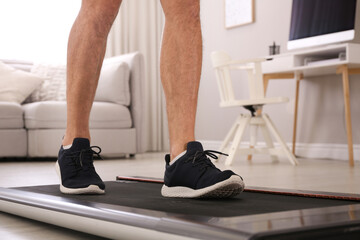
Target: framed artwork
<point>239,12</point>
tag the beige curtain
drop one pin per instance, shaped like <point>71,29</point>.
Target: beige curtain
<point>138,27</point>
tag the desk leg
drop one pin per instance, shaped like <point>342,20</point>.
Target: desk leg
<point>345,76</point>
<point>298,78</point>
<point>266,83</point>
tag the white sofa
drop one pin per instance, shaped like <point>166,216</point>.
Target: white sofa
<point>35,129</point>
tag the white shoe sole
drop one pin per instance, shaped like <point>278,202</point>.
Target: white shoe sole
<point>225,189</point>
<point>91,189</point>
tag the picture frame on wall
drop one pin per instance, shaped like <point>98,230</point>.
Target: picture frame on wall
<point>239,13</point>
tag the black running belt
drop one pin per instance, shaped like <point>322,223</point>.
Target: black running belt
<point>146,195</point>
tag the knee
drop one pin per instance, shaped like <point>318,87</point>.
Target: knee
<point>100,14</point>
<point>182,11</point>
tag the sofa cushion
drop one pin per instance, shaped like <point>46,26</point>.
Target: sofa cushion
<point>11,115</point>
<point>16,85</point>
<point>52,114</point>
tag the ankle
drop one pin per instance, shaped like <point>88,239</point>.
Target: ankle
<point>68,139</point>
<point>176,150</point>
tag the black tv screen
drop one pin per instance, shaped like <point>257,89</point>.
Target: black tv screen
<point>318,17</point>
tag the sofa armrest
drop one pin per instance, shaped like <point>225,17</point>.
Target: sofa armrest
<point>136,64</point>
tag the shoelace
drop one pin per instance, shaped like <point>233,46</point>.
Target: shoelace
<point>201,158</point>
<point>84,151</point>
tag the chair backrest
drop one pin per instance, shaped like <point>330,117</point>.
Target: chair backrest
<point>222,64</point>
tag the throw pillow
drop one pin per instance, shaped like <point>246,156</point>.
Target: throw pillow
<point>114,83</point>
<point>54,87</point>
<point>16,85</point>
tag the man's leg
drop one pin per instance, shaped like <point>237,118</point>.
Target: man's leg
<point>180,65</point>
<point>86,49</point>
<point>190,174</point>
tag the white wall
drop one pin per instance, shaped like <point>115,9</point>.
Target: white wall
<point>321,105</point>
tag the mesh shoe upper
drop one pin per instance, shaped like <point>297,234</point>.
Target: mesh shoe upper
<point>76,165</point>
<point>194,169</point>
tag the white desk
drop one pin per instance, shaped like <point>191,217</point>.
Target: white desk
<point>317,62</point>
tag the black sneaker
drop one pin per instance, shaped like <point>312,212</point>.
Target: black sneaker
<point>76,169</point>
<point>194,176</point>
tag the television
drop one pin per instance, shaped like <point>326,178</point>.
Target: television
<point>319,22</point>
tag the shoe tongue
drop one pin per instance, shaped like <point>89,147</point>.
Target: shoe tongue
<point>80,144</point>
<point>193,147</point>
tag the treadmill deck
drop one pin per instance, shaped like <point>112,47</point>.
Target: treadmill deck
<point>145,195</point>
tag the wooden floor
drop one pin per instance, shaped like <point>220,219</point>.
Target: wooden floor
<point>311,174</point>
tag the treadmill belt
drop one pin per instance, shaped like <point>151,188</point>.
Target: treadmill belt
<point>146,195</point>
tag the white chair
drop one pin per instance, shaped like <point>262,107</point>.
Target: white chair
<point>222,64</point>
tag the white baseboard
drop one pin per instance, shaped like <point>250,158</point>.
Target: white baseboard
<point>305,150</point>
